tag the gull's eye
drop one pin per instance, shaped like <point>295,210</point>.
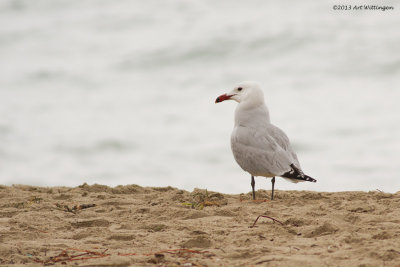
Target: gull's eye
<point>240,89</point>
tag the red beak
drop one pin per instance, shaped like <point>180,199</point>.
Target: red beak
<point>222,98</point>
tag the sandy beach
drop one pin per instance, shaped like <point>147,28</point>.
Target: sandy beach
<point>96,225</point>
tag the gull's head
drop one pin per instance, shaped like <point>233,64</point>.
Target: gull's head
<point>249,92</point>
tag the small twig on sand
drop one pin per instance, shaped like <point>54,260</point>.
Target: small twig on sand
<point>75,254</point>
<point>64,256</point>
<point>265,216</point>
<point>75,208</point>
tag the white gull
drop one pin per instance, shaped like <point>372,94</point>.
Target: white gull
<point>259,147</point>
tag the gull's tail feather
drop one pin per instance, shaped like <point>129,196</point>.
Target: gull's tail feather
<point>296,174</point>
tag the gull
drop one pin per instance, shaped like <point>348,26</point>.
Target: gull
<point>259,147</point>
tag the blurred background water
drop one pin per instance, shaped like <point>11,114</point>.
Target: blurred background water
<point>122,92</point>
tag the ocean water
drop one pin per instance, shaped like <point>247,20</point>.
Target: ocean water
<point>122,92</point>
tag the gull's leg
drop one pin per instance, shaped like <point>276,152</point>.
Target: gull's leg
<point>253,183</point>
<point>273,185</point>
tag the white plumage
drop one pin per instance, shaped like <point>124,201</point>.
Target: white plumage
<point>259,147</point>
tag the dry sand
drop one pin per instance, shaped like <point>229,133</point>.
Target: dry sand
<point>143,226</point>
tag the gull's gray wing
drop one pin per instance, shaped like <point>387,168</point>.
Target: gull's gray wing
<point>262,152</point>
<point>283,141</point>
